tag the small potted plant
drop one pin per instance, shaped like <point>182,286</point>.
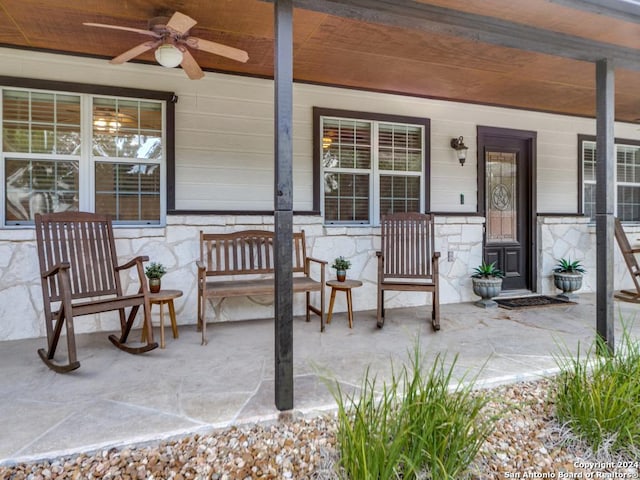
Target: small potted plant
<point>487,283</point>
<point>154,273</point>
<point>567,276</point>
<point>341,265</point>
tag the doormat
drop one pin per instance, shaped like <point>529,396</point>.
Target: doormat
<point>532,302</point>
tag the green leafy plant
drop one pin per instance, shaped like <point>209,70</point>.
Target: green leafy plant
<point>567,266</point>
<point>155,270</point>
<point>415,428</point>
<point>597,395</point>
<point>487,270</point>
<point>341,263</point>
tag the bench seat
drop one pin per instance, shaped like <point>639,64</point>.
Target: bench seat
<point>242,264</point>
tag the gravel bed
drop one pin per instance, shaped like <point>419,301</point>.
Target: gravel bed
<point>527,443</point>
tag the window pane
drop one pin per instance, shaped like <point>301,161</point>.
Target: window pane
<point>399,193</point>
<point>34,186</point>
<point>346,143</point>
<point>589,161</point>
<point>400,147</point>
<point>590,201</point>
<point>42,139</point>
<point>128,192</point>
<point>15,137</point>
<point>67,140</point>
<point>629,203</point>
<point>150,145</point>
<point>42,107</point>
<point>33,123</point>
<point>68,109</point>
<point>385,159</point>
<point>127,129</point>
<point>352,165</point>
<point>15,106</point>
<point>346,197</point>
<point>628,163</point>
<point>151,116</point>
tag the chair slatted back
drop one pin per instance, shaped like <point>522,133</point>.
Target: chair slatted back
<point>246,252</point>
<point>407,244</point>
<point>84,241</point>
<point>627,253</point>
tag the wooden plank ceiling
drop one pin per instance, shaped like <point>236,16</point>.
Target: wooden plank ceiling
<point>340,51</point>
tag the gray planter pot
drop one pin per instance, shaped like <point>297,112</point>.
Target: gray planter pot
<point>568,283</point>
<point>486,289</point>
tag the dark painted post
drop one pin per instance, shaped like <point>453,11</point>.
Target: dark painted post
<point>283,204</point>
<point>605,164</point>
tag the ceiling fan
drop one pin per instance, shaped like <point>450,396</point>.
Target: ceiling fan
<point>172,41</point>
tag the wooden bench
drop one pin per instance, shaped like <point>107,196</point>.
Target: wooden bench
<point>242,263</point>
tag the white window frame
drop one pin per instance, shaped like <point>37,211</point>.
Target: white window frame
<point>86,160</point>
<point>374,171</point>
<point>618,143</point>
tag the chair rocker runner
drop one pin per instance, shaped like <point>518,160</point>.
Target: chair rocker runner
<point>80,276</point>
<point>407,260</point>
<point>630,259</point>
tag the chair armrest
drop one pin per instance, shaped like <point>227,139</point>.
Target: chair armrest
<point>378,253</point>
<point>201,266</point>
<point>56,269</point>
<point>321,263</point>
<point>436,254</point>
<point>635,250</point>
<point>317,260</point>
<point>133,262</point>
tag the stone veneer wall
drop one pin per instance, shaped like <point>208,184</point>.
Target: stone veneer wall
<point>574,238</point>
<point>458,238</point>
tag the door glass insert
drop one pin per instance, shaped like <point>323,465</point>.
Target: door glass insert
<point>501,168</point>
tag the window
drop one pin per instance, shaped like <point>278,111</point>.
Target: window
<point>627,178</point>
<point>371,165</point>
<point>65,151</point>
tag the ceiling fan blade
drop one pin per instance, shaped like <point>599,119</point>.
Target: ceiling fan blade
<point>134,52</point>
<point>217,49</point>
<point>180,23</point>
<point>126,29</point>
<point>190,66</point>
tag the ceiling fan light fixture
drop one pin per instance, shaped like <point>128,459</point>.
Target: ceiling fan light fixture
<point>168,55</point>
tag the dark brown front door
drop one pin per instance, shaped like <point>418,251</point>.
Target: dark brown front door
<point>506,168</point>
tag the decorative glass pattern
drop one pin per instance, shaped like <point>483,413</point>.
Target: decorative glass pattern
<point>501,197</point>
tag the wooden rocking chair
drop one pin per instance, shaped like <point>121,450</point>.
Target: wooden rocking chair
<point>630,259</point>
<point>80,274</point>
<point>407,260</point>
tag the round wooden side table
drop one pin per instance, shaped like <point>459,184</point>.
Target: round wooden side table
<point>346,287</point>
<point>161,298</point>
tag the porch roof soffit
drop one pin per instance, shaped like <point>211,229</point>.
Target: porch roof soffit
<point>492,30</point>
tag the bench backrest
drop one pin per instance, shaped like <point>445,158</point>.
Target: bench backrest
<point>246,252</point>
<point>84,241</point>
<point>407,245</point>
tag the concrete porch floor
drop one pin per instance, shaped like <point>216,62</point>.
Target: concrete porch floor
<point>115,398</point>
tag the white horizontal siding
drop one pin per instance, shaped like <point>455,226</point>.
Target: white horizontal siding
<point>224,134</point>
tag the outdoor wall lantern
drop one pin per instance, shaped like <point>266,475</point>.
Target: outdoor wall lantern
<point>461,149</point>
<point>168,55</point>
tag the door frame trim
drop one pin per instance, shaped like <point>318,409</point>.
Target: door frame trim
<point>531,139</point>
